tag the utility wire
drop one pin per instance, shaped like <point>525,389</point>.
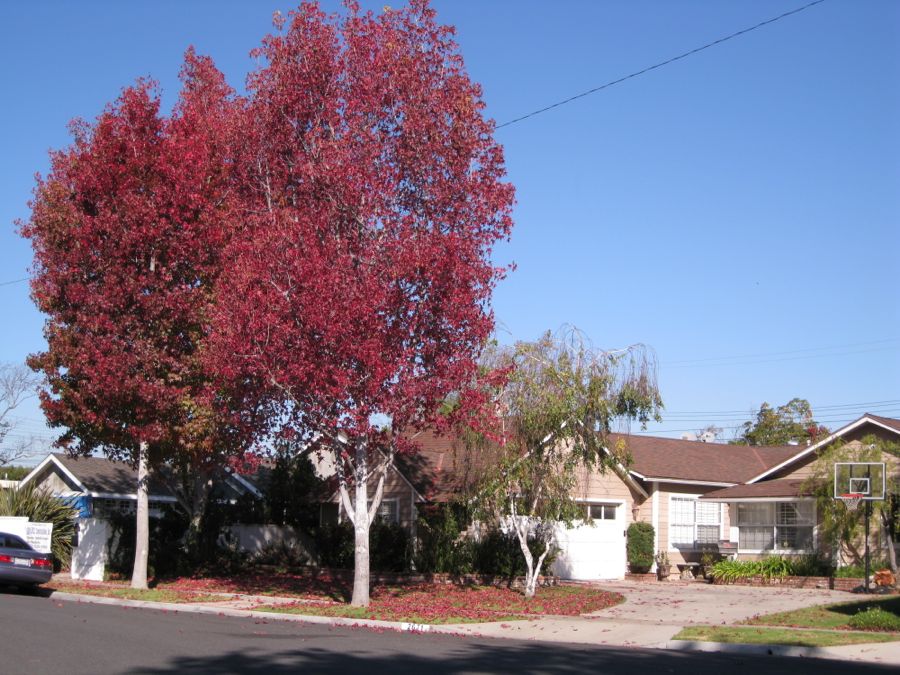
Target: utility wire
<point>753,362</point>
<point>14,281</point>
<point>793,351</point>
<point>819,407</point>
<point>659,65</point>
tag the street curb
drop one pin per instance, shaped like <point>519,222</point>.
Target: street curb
<point>189,608</point>
<point>459,630</point>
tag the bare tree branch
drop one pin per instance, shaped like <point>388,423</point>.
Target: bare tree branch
<point>17,385</point>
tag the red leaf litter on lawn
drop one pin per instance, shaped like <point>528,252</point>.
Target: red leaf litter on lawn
<point>425,602</point>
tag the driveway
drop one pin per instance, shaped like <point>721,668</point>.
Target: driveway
<point>685,603</point>
<point>653,612</point>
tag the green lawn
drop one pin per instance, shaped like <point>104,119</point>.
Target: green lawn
<point>780,636</point>
<point>410,616</point>
<point>126,593</point>
<point>834,617</point>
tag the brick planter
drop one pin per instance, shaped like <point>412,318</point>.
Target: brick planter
<point>833,583</point>
<point>634,576</point>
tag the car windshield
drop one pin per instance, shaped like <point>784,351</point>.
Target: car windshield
<point>12,541</point>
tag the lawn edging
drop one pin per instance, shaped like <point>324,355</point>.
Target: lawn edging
<point>847,584</point>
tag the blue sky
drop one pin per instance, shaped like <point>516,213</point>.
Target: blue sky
<point>737,210</point>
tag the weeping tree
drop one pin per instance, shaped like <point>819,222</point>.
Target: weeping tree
<point>840,527</point>
<point>560,399</point>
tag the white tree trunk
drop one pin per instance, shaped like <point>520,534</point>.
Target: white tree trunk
<point>142,525</point>
<point>522,526</point>
<point>361,531</point>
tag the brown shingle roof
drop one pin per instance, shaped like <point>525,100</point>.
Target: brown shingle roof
<point>886,421</point>
<point>99,474</point>
<point>770,489</point>
<point>657,458</point>
<point>442,466</point>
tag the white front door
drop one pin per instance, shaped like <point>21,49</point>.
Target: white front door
<point>593,551</point>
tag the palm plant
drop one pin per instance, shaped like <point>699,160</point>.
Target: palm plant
<point>42,507</point>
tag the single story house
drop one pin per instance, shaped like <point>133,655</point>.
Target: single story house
<point>99,487</point>
<point>697,495</point>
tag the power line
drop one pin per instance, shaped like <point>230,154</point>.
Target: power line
<point>820,407</point>
<point>14,281</point>
<point>833,419</point>
<point>781,360</point>
<point>783,353</point>
<point>660,64</point>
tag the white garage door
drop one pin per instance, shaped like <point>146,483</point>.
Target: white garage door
<point>593,551</point>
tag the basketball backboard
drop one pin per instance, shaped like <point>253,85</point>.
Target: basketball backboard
<point>859,478</point>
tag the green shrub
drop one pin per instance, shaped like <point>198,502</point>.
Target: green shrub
<point>811,566</point>
<point>39,506</point>
<point>499,554</point>
<point>334,544</point>
<point>859,571</point>
<point>167,555</point>
<point>441,546</point>
<point>875,618</point>
<point>770,567</point>
<point>389,547</point>
<point>639,547</point>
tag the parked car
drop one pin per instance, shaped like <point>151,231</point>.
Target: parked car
<point>20,564</point>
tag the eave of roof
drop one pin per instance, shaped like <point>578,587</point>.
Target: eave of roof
<point>785,489</point>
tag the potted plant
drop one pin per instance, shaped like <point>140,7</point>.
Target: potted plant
<point>662,565</point>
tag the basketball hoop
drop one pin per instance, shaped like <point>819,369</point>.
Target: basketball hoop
<point>851,500</point>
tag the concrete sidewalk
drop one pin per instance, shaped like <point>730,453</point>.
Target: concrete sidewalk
<point>651,615</point>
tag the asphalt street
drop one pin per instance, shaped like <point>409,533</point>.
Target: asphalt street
<point>40,634</point>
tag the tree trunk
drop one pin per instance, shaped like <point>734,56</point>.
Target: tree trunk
<point>886,533</point>
<point>142,526</point>
<point>361,531</point>
<point>531,584</point>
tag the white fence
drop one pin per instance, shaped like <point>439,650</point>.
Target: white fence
<point>89,558</point>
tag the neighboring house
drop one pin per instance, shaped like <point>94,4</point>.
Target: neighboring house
<point>695,494</point>
<point>100,487</point>
<point>771,511</point>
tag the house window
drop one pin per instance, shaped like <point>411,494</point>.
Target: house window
<point>693,522</point>
<point>776,526</point>
<point>601,511</point>
<point>389,511</point>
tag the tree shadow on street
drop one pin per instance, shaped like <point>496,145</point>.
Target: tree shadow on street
<point>474,656</point>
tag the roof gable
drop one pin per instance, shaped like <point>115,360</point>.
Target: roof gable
<point>887,423</point>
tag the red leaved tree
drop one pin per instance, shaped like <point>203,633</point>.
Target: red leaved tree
<point>374,193</point>
<point>127,231</point>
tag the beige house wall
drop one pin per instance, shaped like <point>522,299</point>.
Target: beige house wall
<point>803,468</point>
<point>395,488</point>
<point>597,486</point>
<point>50,480</point>
<point>666,491</point>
